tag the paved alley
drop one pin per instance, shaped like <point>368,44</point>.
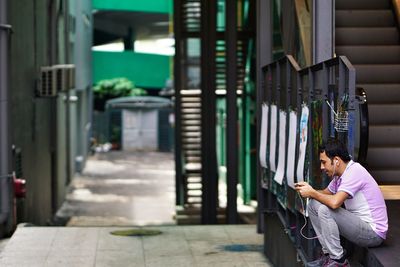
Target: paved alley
<point>125,191</point>
<point>119,188</point>
<point>216,245</point>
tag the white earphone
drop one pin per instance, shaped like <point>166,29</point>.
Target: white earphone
<point>334,167</point>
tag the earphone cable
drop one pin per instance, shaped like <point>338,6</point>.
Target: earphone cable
<point>305,223</point>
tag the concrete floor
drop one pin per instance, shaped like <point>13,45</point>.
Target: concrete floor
<point>120,190</point>
<point>216,245</point>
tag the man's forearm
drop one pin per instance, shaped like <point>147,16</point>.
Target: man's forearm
<point>326,199</point>
<point>325,192</point>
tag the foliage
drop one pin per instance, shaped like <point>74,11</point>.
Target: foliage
<point>113,88</point>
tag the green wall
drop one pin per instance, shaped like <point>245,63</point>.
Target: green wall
<point>159,6</point>
<point>145,70</point>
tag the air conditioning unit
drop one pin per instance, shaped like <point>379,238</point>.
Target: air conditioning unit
<point>65,77</point>
<point>61,77</point>
<point>47,82</point>
<point>56,78</point>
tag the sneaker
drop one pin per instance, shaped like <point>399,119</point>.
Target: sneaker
<point>319,262</point>
<point>333,263</point>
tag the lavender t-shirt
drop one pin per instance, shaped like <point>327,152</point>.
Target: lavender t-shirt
<point>365,198</point>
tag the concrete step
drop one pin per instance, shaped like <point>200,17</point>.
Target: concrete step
<point>195,210</point>
<point>191,116</point>
<point>362,4</point>
<point>192,168</point>
<point>382,93</point>
<point>364,54</point>
<point>191,122</point>
<point>193,200</point>
<point>189,140</point>
<point>195,219</point>
<point>193,159</point>
<point>196,129</point>
<point>386,176</point>
<point>390,192</point>
<point>191,105</point>
<point>191,146</point>
<point>193,215</point>
<point>384,135</point>
<point>187,99</point>
<point>191,92</point>
<point>191,110</point>
<point>367,36</point>
<point>191,134</point>
<point>192,153</point>
<point>194,179</point>
<point>378,73</point>
<point>381,158</point>
<point>194,186</point>
<point>384,114</point>
<point>193,193</point>
<point>364,18</point>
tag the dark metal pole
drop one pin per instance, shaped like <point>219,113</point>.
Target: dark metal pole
<point>232,117</point>
<point>208,113</point>
<point>323,30</point>
<point>52,50</point>
<point>67,97</point>
<point>264,56</point>
<point>178,86</point>
<point>129,40</point>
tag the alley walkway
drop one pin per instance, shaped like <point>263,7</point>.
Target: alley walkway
<point>236,245</point>
<point>124,191</point>
<point>122,188</point>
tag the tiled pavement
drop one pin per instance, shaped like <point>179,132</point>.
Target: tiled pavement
<point>126,189</point>
<point>216,245</point>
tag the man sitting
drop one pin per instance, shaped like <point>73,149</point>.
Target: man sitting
<point>364,219</point>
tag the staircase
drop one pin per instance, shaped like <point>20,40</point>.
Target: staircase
<point>366,33</point>
<point>190,21</point>
<point>191,151</point>
<point>191,145</point>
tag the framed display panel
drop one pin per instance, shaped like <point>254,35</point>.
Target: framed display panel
<point>304,108</point>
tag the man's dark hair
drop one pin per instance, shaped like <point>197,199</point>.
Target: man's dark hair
<point>334,148</point>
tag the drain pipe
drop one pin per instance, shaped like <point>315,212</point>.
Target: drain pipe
<point>5,152</point>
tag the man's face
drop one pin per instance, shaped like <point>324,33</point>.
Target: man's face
<point>326,164</point>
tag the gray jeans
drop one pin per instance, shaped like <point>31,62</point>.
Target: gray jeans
<point>329,224</point>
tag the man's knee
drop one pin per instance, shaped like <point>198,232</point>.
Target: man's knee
<point>314,205</point>
<point>317,207</point>
<point>324,211</point>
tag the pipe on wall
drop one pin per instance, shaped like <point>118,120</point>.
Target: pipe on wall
<point>5,151</point>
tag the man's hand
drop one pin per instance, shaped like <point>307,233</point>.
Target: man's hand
<point>304,189</point>
<point>333,201</point>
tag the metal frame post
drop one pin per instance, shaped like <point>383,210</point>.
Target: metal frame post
<point>208,113</point>
<point>232,116</point>
<point>323,30</point>
<point>264,57</point>
<point>179,198</point>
